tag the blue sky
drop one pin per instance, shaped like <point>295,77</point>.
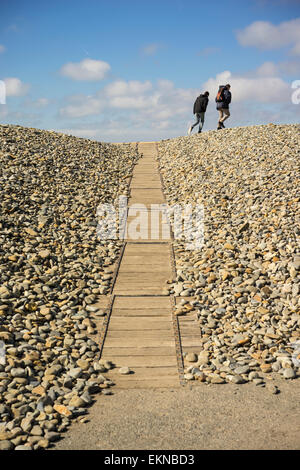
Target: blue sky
<point>130,70</point>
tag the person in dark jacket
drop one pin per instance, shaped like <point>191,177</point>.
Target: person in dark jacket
<point>199,110</point>
<point>223,104</point>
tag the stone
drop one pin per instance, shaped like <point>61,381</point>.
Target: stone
<point>6,445</point>
<point>237,379</point>
<point>39,390</point>
<point>272,389</point>
<point>77,402</point>
<point>266,368</point>
<point>44,254</point>
<point>36,430</point>
<point>51,436</point>
<point>191,357</point>
<point>18,372</point>
<point>189,376</point>
<point>27,423</point>
<point>43,444</point>
<point>62,410</point>
<point>75,372</point>
<point>253,375</point>
<point>216,379</point>
<point>241,370</point>
<point>124,371</point>
<point>83,364</point>
<point>289,373</point>
<point>23,447</point>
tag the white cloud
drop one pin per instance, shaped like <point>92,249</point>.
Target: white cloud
<point>129,102</point>
<point>296,49</point>
<point>262,89</point>
<point>286,68</point>
<point>87,69</point>
<point>2,48</point>
<point>267,69</point>
<point>159,101</point>
<point>15,87</point>
<point>126,89</point>
<point>81,105</point>
<point>290,68</point>
<point>266,36</point>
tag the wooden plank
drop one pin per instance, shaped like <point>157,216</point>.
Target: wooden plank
<point>141,323</point>
<point>138,342</point>
<point>146,261</point>
<point>142,312</point>
<point>142,302</point>
<point>144,372</point>
<point>190,341</point>
<point>153,183</point>
<point>162,351</point>
<point>150,291</point>
<point>141,361</point>
<point>189,331</point>
<point>149,239</point>
<point>137,286</point>
<point>140,268</point>
<point>188,319</point>
<point>155,248</point>
<point>142,275</point>
<point>138,334</point>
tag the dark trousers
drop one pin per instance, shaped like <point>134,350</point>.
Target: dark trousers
<point>200,117</point>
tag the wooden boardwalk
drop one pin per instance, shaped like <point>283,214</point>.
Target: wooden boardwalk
<point>142,331</point>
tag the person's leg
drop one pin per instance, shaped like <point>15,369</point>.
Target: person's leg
<point>201,117</point>
<point>197,122</point>
<point>225,116</point>
<point>220,117</point>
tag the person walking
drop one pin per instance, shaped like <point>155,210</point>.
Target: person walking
<point>199,110</point>
<point>223,99</point>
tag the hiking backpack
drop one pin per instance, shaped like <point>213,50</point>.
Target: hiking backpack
<point>219,96</point>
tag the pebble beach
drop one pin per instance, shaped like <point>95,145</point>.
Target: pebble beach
<point>52,268</point>
<point>243,284</point>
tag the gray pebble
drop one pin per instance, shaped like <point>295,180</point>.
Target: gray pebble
<point>289,373</point>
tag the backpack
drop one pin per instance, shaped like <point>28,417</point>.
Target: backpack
<point>219,96</point>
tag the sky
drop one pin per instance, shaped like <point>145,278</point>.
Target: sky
<point>130,70</point>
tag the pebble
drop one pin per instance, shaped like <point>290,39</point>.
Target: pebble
<point>124,370</point>
<point>273,389</point>
<point>289,373</point>
<point>191,357</point>
<point>189,376</point>
<point>23,447</point>
<point>6,445</point>
<point>236,379</point>
<point>247,181</point>
<point>241,370</point>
